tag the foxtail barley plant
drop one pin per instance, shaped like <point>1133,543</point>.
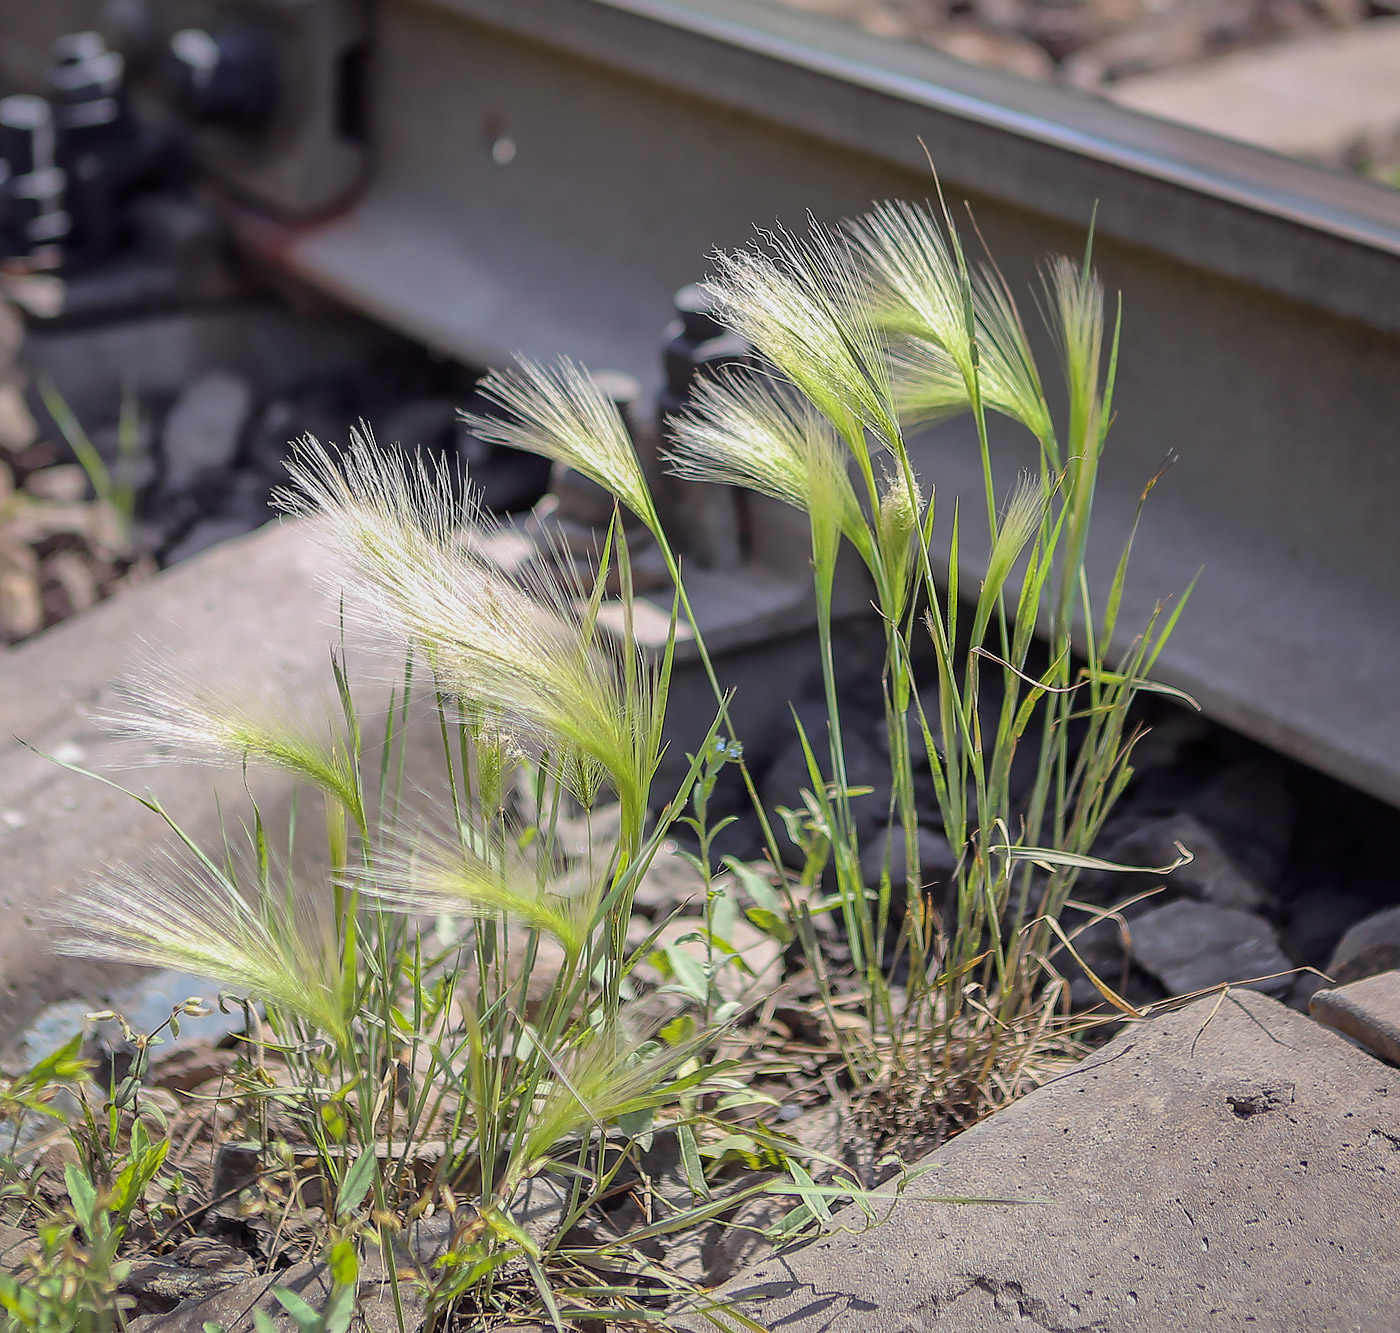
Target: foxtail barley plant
<point>863,332</point>
<point>510,1030</point>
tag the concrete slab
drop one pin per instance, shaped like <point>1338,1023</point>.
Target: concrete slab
<point>250,610</point>
<point>1332,98</point>
<point>1217,1168</point>
<point>1367,1011</point>
<point>255,612</point>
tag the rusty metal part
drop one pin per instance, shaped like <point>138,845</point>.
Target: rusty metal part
<point>269,96</point>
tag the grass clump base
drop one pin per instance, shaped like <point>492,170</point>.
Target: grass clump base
<point>473,1073</point>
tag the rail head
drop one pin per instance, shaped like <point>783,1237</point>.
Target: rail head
<point>1309,234</point>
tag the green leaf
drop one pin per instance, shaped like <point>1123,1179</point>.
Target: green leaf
<point>760,891</point>
<point>688,971</point>
<point>509,1230</point>
<point>810,1192</point>
<point>62,1066</point>
<point>11,1295</point>
<point>679,1030</point>
<point>83,449</point>
<point>344,1263</point>
<point>356,1183</point>
<point>771,924</point>
<point>690,1163</point>
<point>83,1196</point>
<point>1143,685</point>
<point>127,1091</point>
<point>688,1217</point>
<point>144,1162</point>
<point>747,1097</point>
<point>742,1148</point>
<point>541,1281</point>
<point>339,1311</point>
<point>1049,857</point>
<point>638,1124</point>
<point>303,1316</point>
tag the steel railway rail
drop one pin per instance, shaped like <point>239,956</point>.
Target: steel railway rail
<point>541,175</point>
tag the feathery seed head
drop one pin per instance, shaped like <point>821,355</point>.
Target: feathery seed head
<point>927,384</point>
<point>899,531</point>
<point>493,755</point>
<point>534,658</point>
<point>434,876</point>
<point>554,677</point>
<point>608,1073</point>
<point>1010,380</point>
<point>901,513</point>
<point>561,413</point>
<point>914,282</point>
<point>797,303</point>
<point>1076,317</point>
<point>747,430</point>
<point>184,914</point>
<point>951,329</point>
<point>166,710</point>
<point>1019,523</point>
<point>382,490</point>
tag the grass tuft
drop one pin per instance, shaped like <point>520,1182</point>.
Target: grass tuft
<point>465,1011</point>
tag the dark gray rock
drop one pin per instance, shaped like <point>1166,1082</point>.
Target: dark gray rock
<point>1211,875</point>
<point>505,479</point>
<point>270,440</point>
<point>1372,945</point>
<point>1251,807</point>
<point>11,333</point>
<point>1305,986</point>
<point>203,428</point>
<point>135,472</point>
<point>937,861</point>
<point>131,461</point>
<point>428,425</point>
<point>1169,740</point>
<point>197,1269</point>
<point>1103,947</point>
<point>1221,1167</point>
<point>1318,919</point>
<point>241,494</point>
<point>17,1246</point>
<point>743,839</point>
<point>580,499</point>
<point>189,1064</point>
<point>235,1168</point>
<point>1190,946</point>
<point>788,776</point>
